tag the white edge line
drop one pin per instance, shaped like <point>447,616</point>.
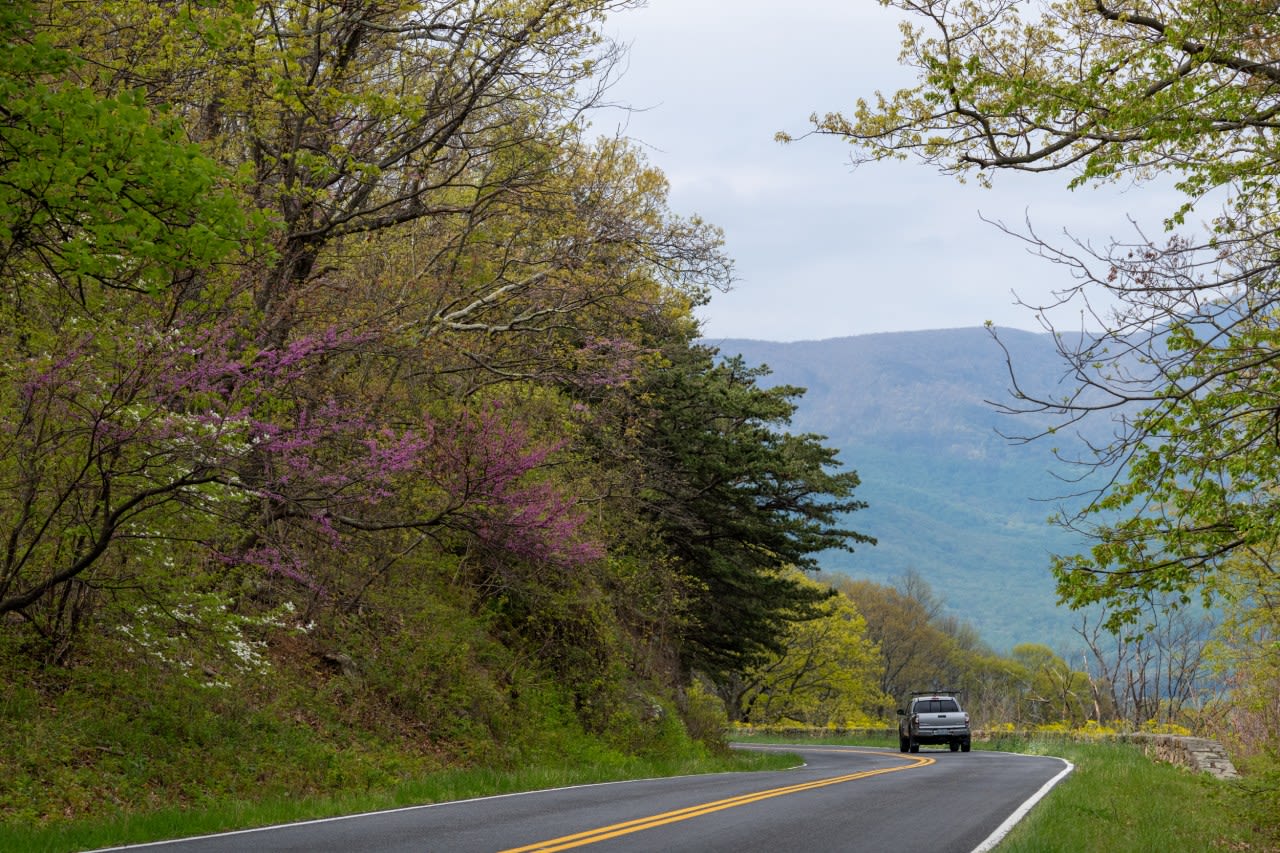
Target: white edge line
<point>1003,829</point>
<point>336,818</point>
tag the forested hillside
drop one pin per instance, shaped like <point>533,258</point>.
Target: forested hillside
<point>353,412</point>
<point>950,494</point>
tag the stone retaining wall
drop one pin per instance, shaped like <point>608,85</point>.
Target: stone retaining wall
<point>1198,753</point>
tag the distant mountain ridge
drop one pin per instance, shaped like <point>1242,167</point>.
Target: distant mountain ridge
<point>949,496</point>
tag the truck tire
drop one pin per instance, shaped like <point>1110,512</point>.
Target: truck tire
<point>955,746</point>
<point>964,745</point>
<point>903,745</point>
<point>912,746</point>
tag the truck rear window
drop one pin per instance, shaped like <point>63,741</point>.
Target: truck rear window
<point>936,706</point>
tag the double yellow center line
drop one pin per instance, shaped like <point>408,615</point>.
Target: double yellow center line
<point>603,833</point>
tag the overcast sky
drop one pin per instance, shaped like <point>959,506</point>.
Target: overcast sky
<point>820,250</point>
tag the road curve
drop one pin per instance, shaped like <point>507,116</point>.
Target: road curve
<point>842,799</point>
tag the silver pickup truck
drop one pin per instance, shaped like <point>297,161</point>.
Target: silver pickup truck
<point>933,718</point>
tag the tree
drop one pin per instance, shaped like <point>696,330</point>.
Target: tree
<point>826,673</point>
<point>733,500</point>
<point>153,420</point>
<point>914,653</point>
<point>1051,691</point>
<point>1131,90</point>
<point>551,284</point>
<point>1105,89</point>
<point>1157,673</point>
<point>107,412</point>
<point>98,194</point>
<point>356,118</point>
<point>1245,654</point>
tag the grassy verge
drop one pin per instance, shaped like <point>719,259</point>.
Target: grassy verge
<point>1118,799</point>
<point>438,787</point>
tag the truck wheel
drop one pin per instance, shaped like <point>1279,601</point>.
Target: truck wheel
<point>955,746</point>
<point>903,746</point>
<point>964,745</point>
<point>912,746</point>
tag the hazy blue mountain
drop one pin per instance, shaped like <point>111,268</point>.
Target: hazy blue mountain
<point>949,496</point>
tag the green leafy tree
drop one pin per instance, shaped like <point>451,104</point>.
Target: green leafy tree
<point>356,118</point>
<point>1129,88</point>
<point>914,652</point>
<point>1245,653</point>
<point>1129,91</point>
<point>826,673</point>
<point>96,193</point>
<point>106,214</point>
<point>1051,692</point>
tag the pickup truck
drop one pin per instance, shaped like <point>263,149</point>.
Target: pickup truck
<point>933,718</point>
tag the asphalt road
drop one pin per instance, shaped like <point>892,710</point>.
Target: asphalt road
<point>842,799</point>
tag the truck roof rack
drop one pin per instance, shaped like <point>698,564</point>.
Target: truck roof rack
<point>937,692</point>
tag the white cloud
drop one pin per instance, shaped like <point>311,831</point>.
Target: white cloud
<point>821,250</point>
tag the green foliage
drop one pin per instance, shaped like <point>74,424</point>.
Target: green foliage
<point>1199,488</point>
<point>915,652</point>
<point>1261,790</point>
<point>337,506</point>
<point>704,713</point>
<point>917,646</point>
<point>1245,653</point>
<point>1187,355</point>
<point>737,501</point>
<point>112,227</point>
<point>1107,90</point>
<point>1111,92</point>
<point>827,673</point>
<point>117,733</point>
<point>98,191</point>
<point>1051,691</point>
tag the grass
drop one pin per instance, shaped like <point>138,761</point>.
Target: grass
<point>109,754</point>
<point>135,828</point>
<point>1119,799</point>
<point>112,750</point>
